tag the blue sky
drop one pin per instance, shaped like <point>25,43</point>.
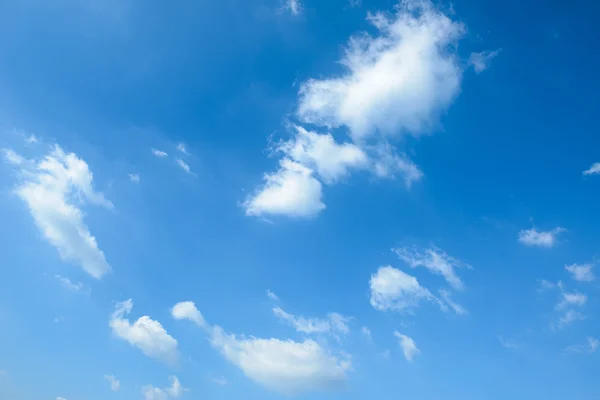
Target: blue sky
<point>298,199</point>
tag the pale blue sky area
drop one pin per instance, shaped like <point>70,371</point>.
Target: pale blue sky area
<point>274,199</point>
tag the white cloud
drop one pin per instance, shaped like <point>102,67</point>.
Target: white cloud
<point>321,153</point>
<point>589,347</point>
<point>571,299</point>
<point>184,166</point>
<point>135,178</point>
<point>283,366</point>
<point>159,153</point>
<point>187,310</point>
<point>13,158</point>
<point>447,301</point>
<point>398,81</point>
<point>435,260</point>
<point>292,191</point>
<point>386,163</point>
<point>408,345</point>
<point>581,272</point>
<point>334,323</point>
<point>174,391</point>
<point>181,147</point>
<point>594,169</point>
<point>115,385</point>
<point>533,237</point>
<point>145,333</point>
<point>392,289</point>
<point>70,285</point>
<point>481,61</point>
<point>60,398</point>
<point>293,6</point>
<point>272,295</point>
<point>53,189</point>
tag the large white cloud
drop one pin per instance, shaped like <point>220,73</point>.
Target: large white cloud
<point>284,366</point>
<point>146,334</point>
<point>393,289</point>
<point>54,189</point>
<point>397,81</point>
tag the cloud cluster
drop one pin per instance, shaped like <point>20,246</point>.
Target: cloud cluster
<point>567,305</point>
<point>54,189</point>
<point>284,366</point>
<point>396,82</point>
<point>145,333</point>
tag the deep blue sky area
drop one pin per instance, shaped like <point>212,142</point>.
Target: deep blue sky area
<point>272,199</point>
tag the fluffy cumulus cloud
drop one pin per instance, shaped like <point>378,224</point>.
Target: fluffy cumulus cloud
<point>187,310</point>
<point>581,272</point>
<point>533,237</point>
<point>393,289</point>
<point>399,80</point>
<point>146,334</point>
<point>292,191</point>
<point>435,260</point>
<point>283,366</point>
<point>594,169</point>
<point>54,189</point>
<point>334,323</point>
<point>408,345</point>
<point>481,61</point>
<point>115,384</point>
<point>395,82</point>
<point>175,390</point>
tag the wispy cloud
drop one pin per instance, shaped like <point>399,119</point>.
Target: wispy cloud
<point>184,166</point>
<point>294,6</point>
<point>334,323</point>
<point>220,380</point>
<point>182,148</point>
<point>589,347</point>
<point>159,153</point>
<point>115,384</point>
<point>70,285</point>
<point>481,61</point>
<point>135,178</point>
<point>408,345</point>
<point>272,295</point>
<point>54,189</point>
<point>175,390</point>
<point>507,344</point>
<point>581,272</point>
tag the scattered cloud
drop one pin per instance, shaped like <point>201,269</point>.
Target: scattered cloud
<point>571,299</point>
<point>187,310</point>
<point>294,6</point>
<point>182,148</point>
<point>568,318</point>
<point>115,385</point>
<point>581,272</point>
<point>53,189</point>
<point>31,139</point>
<point>594,169</point>
<point>533,237</point>
<point>283,366</point>
<point>481,61</point>
<point>292,191</point>
<point>146,334</point>
<point>435,260</point>
<point>334,323</point>
<point>135,178</point>
<point>174,391</point>
<point>184,166</point>
<point>355,3</point>
<point>221,381</point>
<point>159,153</point>
<point>589,347</point>
<point>408,345</point>
<point>13,158</point>
<point>60,398</point>
<point>507,344</point>
<point>70,285</point>
<point>393,289</point>
<point>272,295</point>
<point>398,81</point>
<point>366,332</point>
